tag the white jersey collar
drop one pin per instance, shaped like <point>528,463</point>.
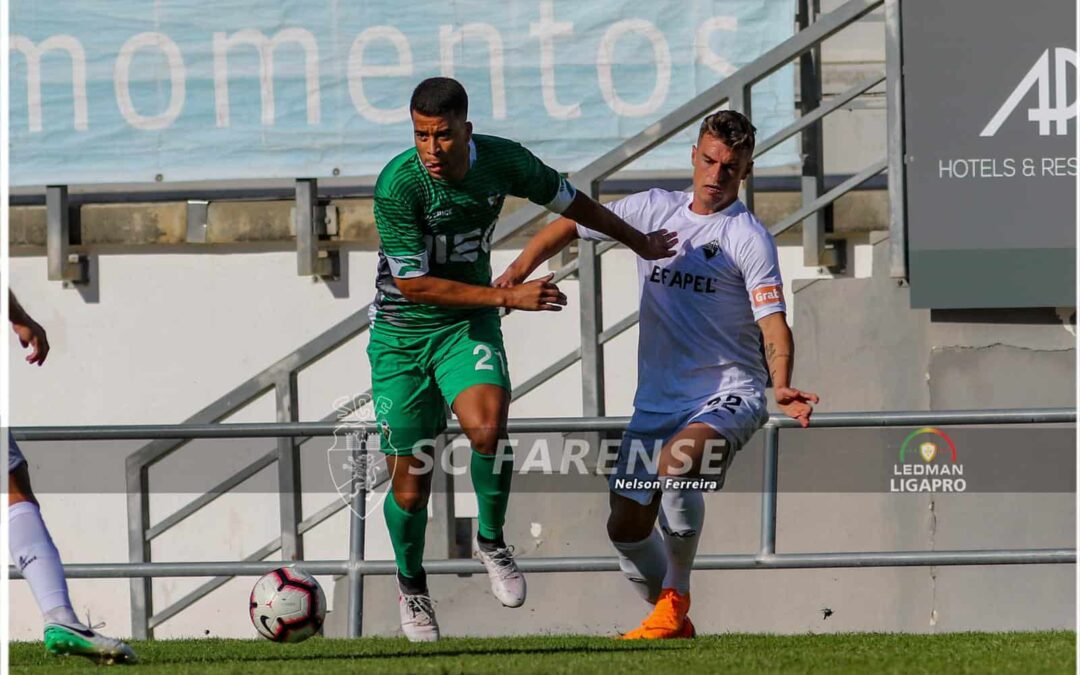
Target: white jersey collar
<point>732,209</point>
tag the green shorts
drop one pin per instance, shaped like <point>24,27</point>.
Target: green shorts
<point>413,373</point>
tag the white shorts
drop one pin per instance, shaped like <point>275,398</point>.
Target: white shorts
<point>735,416</point>
<point>15,456</point>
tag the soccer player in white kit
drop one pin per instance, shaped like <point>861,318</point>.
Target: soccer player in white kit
<point>705,316</point>
<point>33,549</point>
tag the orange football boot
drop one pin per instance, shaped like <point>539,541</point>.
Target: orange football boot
<point>668,620</point>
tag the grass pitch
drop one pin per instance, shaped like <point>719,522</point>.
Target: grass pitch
<point>1028,653</point>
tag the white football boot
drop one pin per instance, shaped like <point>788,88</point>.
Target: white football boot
<point>418,616</point>
<point>75,639</point>
<point>507,581</point>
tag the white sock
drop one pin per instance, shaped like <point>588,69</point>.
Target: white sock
<point>682,512</point>
<point>33,551</point>
<point>644,563</point>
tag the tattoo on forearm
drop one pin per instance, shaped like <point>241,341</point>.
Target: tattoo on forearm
<point>770,353</point>
<point>774,361</point>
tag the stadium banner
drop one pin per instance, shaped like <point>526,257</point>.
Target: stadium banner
<point>825,461</point>
<point>177,91</point>
<point>990,120</point>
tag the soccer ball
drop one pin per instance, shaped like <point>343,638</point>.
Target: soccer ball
<point>287,606</point>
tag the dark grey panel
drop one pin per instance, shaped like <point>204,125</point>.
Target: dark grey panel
<point>993,278</point>
<point>981,173</point>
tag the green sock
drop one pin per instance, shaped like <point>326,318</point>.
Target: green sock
<point>407,532</point>
<point>492,491</point>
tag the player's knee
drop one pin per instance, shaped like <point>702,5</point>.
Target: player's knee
<point>411,500</point>
<point>486,439</point>
<point>624,527</point>
<point>17,498</point>
<point>19,486</point>
<point>615,531</point>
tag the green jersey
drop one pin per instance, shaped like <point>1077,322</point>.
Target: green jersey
<point>443,229</point>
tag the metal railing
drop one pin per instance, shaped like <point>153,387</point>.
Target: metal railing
<point>281,377</point>
<point>356,567</point>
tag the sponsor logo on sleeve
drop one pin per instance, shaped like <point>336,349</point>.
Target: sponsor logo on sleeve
<point>406,266</point>
<point>767,295</point>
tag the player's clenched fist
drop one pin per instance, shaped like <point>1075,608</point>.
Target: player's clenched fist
<point>536,296</point>
<point>30,332</point>
<point>32,335</point>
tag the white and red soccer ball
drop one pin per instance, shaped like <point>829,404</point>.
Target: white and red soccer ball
<point>287,606</point>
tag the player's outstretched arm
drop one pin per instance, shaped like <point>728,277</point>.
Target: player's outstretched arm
<point>555,236</point>
<point>30,332</point>
<point>780,356</point>
<point>539,295</point>
<point>651,246</point>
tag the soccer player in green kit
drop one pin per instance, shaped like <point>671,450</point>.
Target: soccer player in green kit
<point>435,331</point>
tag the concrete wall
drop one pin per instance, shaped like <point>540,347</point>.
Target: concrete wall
<point>860,343</point>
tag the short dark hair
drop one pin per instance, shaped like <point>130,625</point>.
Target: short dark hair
<point>440,97</point>
<point>733,128</point>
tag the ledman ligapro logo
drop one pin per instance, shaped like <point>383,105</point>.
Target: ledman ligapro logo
<point>919,472</point>
<point>1059,112</point>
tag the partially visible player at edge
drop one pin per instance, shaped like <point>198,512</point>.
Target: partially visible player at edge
<point>701,378</point>
<point>435,331</point>
<point>32,548</point>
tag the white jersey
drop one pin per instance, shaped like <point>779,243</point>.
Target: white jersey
<point>698,336</point>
